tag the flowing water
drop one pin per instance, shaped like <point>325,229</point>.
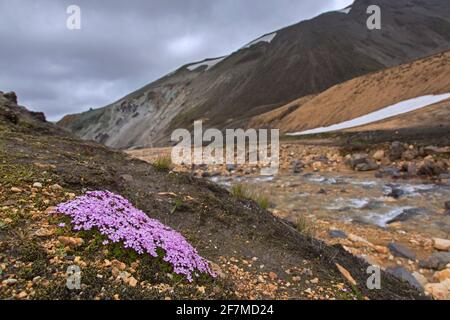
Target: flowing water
<point>356,198</point>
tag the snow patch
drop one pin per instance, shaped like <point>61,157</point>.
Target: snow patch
<point>388,112</point>
<point>208,62</point>
<point>266,38</point>
<point>345,10</point>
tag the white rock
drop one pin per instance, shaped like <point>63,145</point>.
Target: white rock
<point>37,185</point>
<point>441,244</point>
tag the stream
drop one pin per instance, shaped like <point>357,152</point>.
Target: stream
<point>355,198</point>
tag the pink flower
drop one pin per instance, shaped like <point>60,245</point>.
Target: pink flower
<point>119,221</point>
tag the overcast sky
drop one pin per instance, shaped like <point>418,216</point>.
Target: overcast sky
<point>124,44</point>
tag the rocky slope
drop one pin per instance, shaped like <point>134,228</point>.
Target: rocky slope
<point>303,59</point>
<point>254,254</point>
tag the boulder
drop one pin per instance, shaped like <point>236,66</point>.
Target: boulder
<point>420,278</point>
<point>430,150</point>
<point>447,205</point>
<point>442,276</point>
<point>437,261</point>
<point>401,251</point>
<point>11,96</point>
<point>389,171</point>
<point>396,151</point>
<point>362,162</point>
<point>297,166</point>
<point>405,276</point>
<point>441,244</point>
<point>407,214</point>
<point>409,155</point>
<point>431,168</point>
<point>439,291</point>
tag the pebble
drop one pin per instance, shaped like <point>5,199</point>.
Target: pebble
<point>16,190</point>
<point>71,242</point>
<point>56,187</point>
<point>37,185</point>
<point>132,282</point>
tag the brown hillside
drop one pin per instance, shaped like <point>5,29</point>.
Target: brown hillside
<point>370,93</point>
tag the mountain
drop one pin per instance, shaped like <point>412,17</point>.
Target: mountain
<point>370,93</point>
<point>303,59</point>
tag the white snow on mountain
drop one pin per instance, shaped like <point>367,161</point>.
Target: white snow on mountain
<point>209,63</point>
<point>388,112</point>
<point>345,10</point>
<point>266,38</point>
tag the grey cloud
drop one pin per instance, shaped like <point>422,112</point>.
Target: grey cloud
<point>124,45</point>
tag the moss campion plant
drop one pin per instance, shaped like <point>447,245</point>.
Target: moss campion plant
<point>115,218</point>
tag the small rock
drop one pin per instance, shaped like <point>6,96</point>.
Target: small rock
<point>358,239</point>
<point>201,290</point>
<point>381,249</point>
<point>371,166</point>
<point>37,185</point>
<point>50,210</point>
<point>71,196</point>
<point>379,155</point>
<point>388,171</point>
<point>409,155</point>
<point>16,190</point>
<point>314,281</point>
<point>404,275</point>
<point>447,205</point>
<point>56,187</point>
<point>401,251</point>
<point>297,166</point>
<point>118,264</point>
<point>132,282</point>
<point>396,150</point>
<point>127,178</point>
<point>437,261</point>
<point>443,275</point>
<point>273,276</point>
<point>22,295</point>
<point>439,291</point>
<point>231,167</point>
<point>420,279</point>
<point>396,193</point>
<point>346,274</point>
<point>441,244</point>
<point>71,242</point>
<point>337,234</point>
